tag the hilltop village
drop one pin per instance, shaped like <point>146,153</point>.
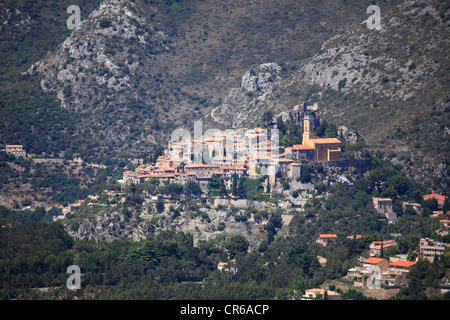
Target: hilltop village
<point>255,153</point>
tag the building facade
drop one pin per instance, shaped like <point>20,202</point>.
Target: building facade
<point>16,150</point>
<point>430,248</point>
<point>385,207</point>
<point>324,239</point>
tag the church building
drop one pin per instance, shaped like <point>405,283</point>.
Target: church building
<point>316,149</point>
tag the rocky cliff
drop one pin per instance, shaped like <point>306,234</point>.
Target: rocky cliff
<point>256,88</point>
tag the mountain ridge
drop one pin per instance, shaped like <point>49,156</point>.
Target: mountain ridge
<point>134,72</point>
<point>377,82</point>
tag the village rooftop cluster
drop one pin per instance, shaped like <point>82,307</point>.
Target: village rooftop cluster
<point>254,152</point>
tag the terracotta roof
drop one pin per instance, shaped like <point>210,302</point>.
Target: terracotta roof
<point>383,242</point>
<point>316,290</point>
<point>401,263</point>
<point>374,260</point>
<point>204,178</point>
<point>145,175</point>
<point>166,168</point>
<point>155,175</point>
<point>301,147</point>
<point>434,195</point>
<point>285,160</point>
<point>327,235</point>
<point>201,166</point>
<point>439,197</point>
<point>325,140</point>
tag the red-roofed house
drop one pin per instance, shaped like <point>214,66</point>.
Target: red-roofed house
<point>401,265</point>
<point>227,266</point>
<point>439,197</point>
<point>375,246</point>
<point>355,236</point>
<point>390,273</point>
<point>301,151</point>
<point>396,275</point>
<point>380,262</point>
<point>323,239</point>
<point>360,274</point>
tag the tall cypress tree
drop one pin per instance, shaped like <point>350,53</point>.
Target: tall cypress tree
<point>241,188</point>
<point>268,185</point>
<point>222,189</point>
<point>234,190</point>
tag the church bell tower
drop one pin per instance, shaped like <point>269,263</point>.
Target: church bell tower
<point>308,130</point>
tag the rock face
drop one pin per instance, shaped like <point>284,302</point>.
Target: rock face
<point>256,87</point>
<point>262,81</point>
<point>351,66</point>
<point>107,227</point>
<point>87,55</point>
<point>109,222</point>
<point>101,74</point>
<point>349,136</point>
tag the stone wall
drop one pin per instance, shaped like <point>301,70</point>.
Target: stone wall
<point>358,164</point>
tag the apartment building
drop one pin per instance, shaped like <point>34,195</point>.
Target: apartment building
<point>430,248</point>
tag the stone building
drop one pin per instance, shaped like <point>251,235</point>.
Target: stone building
<point>384,206</point>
